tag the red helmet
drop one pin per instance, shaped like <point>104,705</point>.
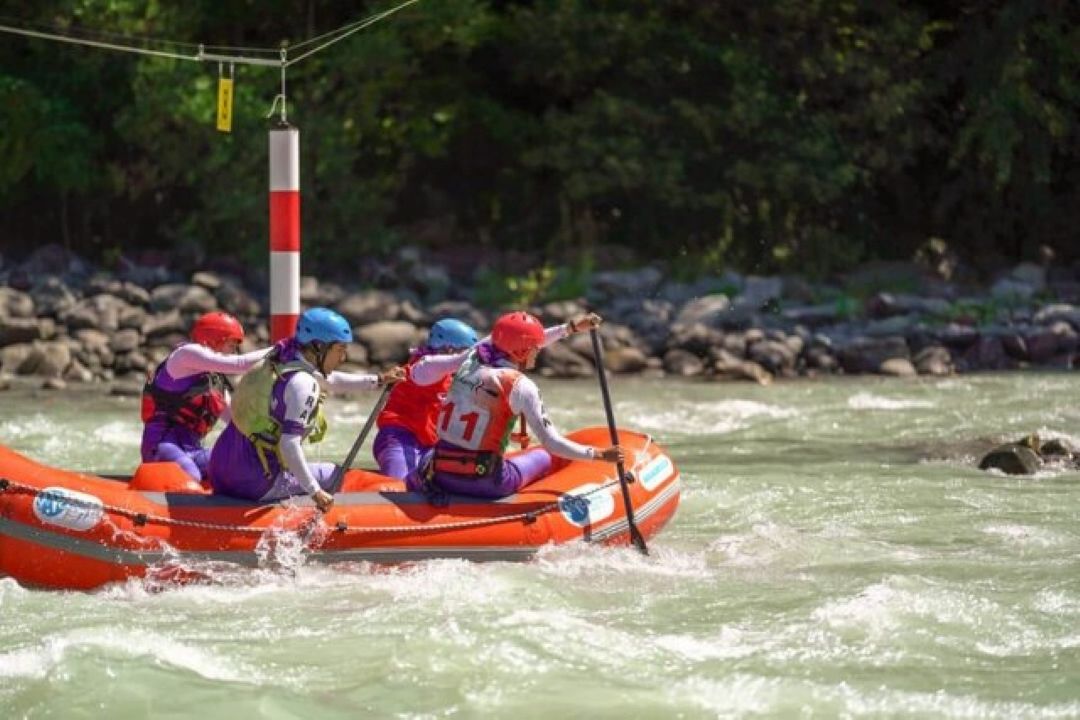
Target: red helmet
<point>214,329</point>
<point>517,334</point>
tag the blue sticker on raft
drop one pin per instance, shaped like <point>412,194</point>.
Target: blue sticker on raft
<point>68,509</point>
<point>587,505</point>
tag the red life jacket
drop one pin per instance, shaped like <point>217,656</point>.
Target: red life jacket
<point>415,407</point>
<point>197,408</point>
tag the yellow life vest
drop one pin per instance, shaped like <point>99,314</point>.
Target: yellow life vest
<point>251,409</point>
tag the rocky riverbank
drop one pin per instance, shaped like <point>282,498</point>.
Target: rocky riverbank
<point>64,321</point>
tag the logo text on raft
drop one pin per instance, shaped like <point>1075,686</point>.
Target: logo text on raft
<point>68,508</point>
<point>657,471</point>
<point>587,505</point>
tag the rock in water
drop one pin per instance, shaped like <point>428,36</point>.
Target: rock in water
<point>1011,459</point>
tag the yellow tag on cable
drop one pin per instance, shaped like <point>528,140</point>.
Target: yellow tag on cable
<point>224,104</point>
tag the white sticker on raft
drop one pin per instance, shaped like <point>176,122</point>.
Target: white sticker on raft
<point>583,506</point>
<point>68,508</point>
<point>657,471</point>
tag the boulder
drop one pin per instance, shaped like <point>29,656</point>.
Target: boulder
<point>625,360</point>
<point>1057,312</point>
<point>163,324</point>
<point>820,358</point>
<point>49,359</point>
<point>866,355</point>
<point>707,310</point>
<point>132,318</point>
<point>369,307</point>
<point>124,341</point>
<point>897,367</point>
<point>13,357</point>
<point>236,300</point>
<point>774,356</point>
<point>77,372</point>
<point>316,293</point>
<point>388,341</point>
<point>100,312</point>
<point>696,338</point>
<point>553,313</point>
<point>461,310</point>
<point>15,303</point>
<point>683,363</point>
<point>728,367</point>
<point>52,296</point>
<point>988,353</point>
<point>934,360</point>
<point>191,299</point>
<point>15,330</point>
<point>560,360</point>
<point>1011,459</point>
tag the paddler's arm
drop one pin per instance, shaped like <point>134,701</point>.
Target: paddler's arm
<point>193,359</point>
<point>301,396</point>
<point>555,333</point>
<point>430,369</point>
<point>525,398</point>
<point>341,381</point>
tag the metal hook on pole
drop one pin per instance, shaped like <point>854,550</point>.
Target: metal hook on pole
<point>280,97</point>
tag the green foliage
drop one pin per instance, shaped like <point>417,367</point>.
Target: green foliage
<point>788,136</point>
<point>540,285</point>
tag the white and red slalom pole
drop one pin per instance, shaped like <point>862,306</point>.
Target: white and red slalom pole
<point>284,230</point>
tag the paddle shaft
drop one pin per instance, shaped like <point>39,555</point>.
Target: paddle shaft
<point>598,352</point>
<point>339,471</point>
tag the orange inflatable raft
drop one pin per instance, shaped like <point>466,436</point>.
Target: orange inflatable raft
<point>64,529</point>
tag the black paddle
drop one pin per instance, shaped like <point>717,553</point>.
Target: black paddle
<point>307,531</point>
<point>339,471</point>
<point>635,535</point>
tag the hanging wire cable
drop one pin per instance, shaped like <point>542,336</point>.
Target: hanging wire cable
<point>356,28</point>
<point>94,43</point>
<point>84,33</point>
<point>226,53</point>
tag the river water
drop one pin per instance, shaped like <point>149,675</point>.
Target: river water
<point>836,554</point>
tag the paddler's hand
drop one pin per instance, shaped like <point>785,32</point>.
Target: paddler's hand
<point>583,323</point>
<point>613,454</point>
<point>391,376</point>
<point>323,500</point>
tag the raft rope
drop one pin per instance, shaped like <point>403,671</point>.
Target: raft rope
<point>140,519</point>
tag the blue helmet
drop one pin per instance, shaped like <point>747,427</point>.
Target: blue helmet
<point>451,333</point>
<point>322,325</point>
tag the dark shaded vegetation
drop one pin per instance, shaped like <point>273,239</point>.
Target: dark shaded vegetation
<point>788,136</point>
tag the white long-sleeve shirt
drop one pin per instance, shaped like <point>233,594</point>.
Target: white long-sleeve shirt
<point>525,399</point>
<point>301,396</point>
<point>193,358</point>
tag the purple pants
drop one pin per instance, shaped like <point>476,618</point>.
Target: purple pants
<point>193,461</point>
<point>397,451</point>
<point>162,442</point>
<point>512,475</point>
<point>237,471</point>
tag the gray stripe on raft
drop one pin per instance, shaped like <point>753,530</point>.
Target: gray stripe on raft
<point>125,556</point>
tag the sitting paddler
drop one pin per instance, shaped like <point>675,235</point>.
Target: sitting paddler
<point>188,391</point>
<point>407,423</point>
<point>476,419</point>
<point>278,404</point>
